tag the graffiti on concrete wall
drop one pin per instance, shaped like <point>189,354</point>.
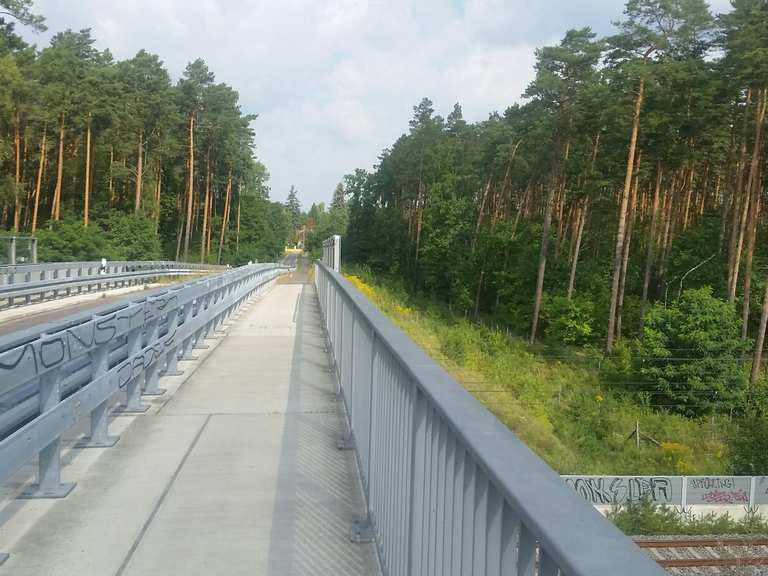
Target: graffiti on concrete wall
<point>699,490</point>
<point>717,489</point>
<point>625,489</point>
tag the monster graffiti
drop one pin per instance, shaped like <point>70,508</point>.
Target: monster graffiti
<point>624,489</point>
<point>29,361</point>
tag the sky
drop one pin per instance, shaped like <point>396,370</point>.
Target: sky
<point>334,82</point>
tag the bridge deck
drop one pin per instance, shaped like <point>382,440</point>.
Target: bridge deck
<point>237,472</point>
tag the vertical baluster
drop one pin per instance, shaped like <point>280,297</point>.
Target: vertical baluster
<point>493,549</point>
<point>480,519</point>
<point>526,553</point>
<point>510,538</point>
<point>547,566</point>
<point>418,446</point>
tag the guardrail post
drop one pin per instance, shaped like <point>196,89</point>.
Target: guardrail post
<point>186,347</point>
<point>152,371</point>
<point>172,357</point>
<point>133,403</point>
<point>99,437</point>
<point>49,484</point>
<point>202,333</point>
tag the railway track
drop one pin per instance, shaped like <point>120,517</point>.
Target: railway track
<point>709,555</point>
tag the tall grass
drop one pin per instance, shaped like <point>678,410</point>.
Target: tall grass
<point>565,407</point>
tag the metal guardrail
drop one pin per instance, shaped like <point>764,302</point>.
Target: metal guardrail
<point>332,252</point>
<point>449,489</point>
<point>49,381</point>
<point>37,282</point>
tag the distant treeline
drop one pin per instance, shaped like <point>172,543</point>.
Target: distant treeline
<point>87,139</point>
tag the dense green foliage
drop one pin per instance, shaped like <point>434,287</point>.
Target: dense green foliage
<point>613,220</point>
<point>161,168</point>
<point>691,352</point>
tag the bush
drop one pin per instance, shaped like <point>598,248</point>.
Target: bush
<point>114,237</point>
<point>645,518</point>
<point>568,321</point>
<point>70,241</point>
<point>130,237</point>
<point>690,353</point>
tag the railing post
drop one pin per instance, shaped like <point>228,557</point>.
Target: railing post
<point>133,403</point>
<point>172,356</point>
<point>99,437</point>
<point>152,371</point>
<point>49,484</point>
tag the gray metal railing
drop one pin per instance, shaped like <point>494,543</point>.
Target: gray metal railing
<point>332,252</point>
<point>50,380</point>
<point>449,489</point>
<point>26,284</point>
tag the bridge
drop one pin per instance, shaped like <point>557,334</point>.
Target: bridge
<point>269,420</point>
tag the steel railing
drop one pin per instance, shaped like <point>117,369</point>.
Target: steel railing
<point>25,284</point>
<point>449,489</point>
<point>50,380</point>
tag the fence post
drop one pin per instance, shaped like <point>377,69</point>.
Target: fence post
<point>49,484</point>
<point>99,437</point>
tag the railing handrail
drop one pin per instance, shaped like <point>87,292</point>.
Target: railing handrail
<point>579,540</point>
<point>111,265</point>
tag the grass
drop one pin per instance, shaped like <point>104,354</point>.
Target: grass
<point>645,518</point>
<point>567,410</point>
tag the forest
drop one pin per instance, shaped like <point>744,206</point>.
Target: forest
<point>106,158</point>
<point>615,214</point>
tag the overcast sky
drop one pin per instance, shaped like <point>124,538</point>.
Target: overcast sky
<point>335,81</point>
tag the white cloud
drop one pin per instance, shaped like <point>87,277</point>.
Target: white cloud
<point>334,81</point>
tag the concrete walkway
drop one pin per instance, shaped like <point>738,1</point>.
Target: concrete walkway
<point>237,472</point>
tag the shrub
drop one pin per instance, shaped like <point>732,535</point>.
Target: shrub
<point>568,321</point>
<point>130,237</point>
<point>70,241</point>
<point>690,353</point>
<point>645,518</point>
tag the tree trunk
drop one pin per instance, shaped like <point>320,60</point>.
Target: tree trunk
<point>486,190</point>
<point>39,181</point>
<point>759,341</point>
<point>618,252</point>
<point>225,215</point>
<point>542,262</point>
<point>237,230</point>
<point>158,190</point>
<point>577,245</point>
<point>17,174</point>
<point>190,185</point>
<point>753,187</point>
<point>627,244</point>
<point>139,173</point>
<point>56,205</point>
<point>651,243</point>
<point>740,208</point>
<point>204,233</point>
<point>87,189</point>
<point>111,178</point>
